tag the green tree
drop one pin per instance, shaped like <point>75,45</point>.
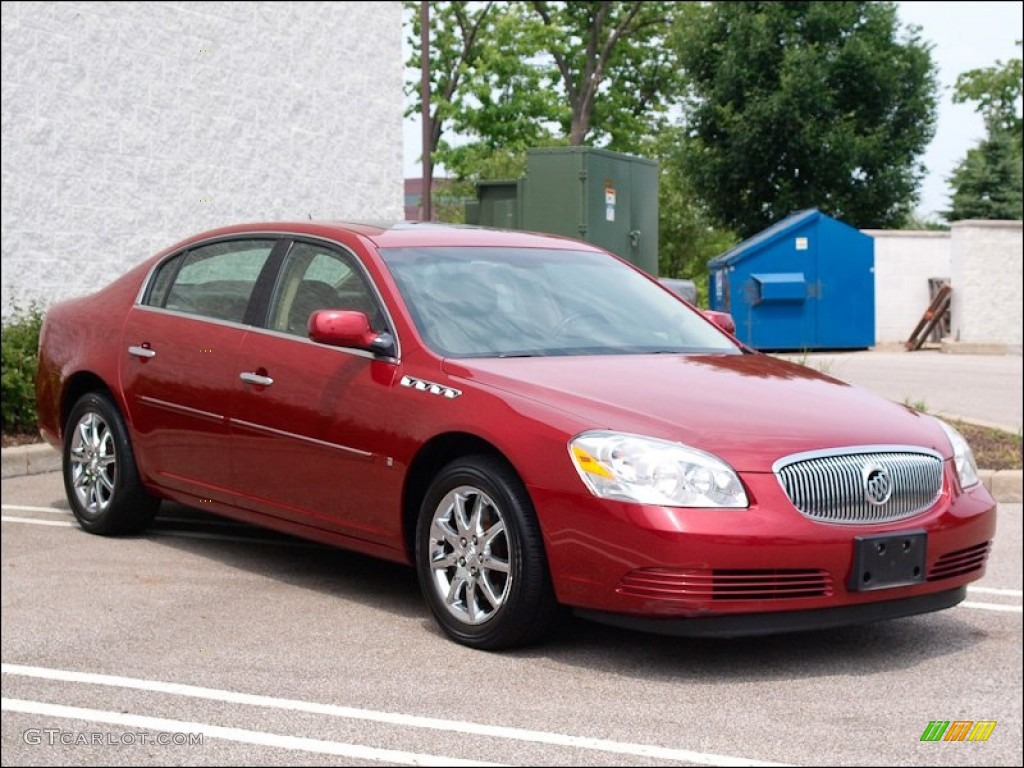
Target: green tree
<point>687,235</point>
<point>806,104</point>
<point>509,76</point>
<point>988,183</point>
<point>457,34</point>
<point>615,75</point>
<point>997,91</point>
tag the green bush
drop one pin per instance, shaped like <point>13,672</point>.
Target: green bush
<point>20,346</point>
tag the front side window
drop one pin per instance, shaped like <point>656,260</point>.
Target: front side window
<point>317,277</point>
<point>214,281</point>
<point>524,302</point>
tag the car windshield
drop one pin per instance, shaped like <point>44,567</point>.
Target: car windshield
<point>524,302</point>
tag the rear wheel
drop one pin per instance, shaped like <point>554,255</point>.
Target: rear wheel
<point>480,556</point>
<point>100,477</point>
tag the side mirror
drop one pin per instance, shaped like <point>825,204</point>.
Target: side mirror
<point>722,319</point>
<point>341,328</point>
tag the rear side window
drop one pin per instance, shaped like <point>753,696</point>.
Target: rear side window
<point>213,281</point>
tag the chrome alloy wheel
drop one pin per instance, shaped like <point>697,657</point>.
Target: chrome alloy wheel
<point>469,555</point>
<point>93,459</point>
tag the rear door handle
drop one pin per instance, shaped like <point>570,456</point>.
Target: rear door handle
<point>144,352</point>
<point>255,378</point>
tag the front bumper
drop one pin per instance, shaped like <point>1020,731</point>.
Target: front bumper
<point>629,563</point>
<point>770,623</point>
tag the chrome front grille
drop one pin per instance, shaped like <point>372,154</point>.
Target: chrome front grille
<point>875,484</point>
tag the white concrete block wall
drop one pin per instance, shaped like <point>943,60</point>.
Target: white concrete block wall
<point>904,261</point>
<point>128,126</point>
<point>987,283</point>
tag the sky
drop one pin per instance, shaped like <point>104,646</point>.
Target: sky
<point>965,35</point>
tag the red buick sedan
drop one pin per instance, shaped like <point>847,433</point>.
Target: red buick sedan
<point>531,422</point>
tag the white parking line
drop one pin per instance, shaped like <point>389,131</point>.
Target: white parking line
<point>243,735</point>
<point>391,718</point>
<point>33,521</point>
<point>994,591</point>
<point>23,508</point>
<point>992,607</point>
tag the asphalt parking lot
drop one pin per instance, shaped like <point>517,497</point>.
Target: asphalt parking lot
<point>239,647</point>
<point>208,642</point>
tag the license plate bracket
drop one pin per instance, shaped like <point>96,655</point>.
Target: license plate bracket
<point>888,560</point>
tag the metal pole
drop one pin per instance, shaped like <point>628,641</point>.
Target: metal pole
<point>425,207</point>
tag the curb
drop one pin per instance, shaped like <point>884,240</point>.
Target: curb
<point>30,460</point>
<point>1005,485</point>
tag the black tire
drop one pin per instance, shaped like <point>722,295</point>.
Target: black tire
<point>100,477</point>
<point>498,586</point>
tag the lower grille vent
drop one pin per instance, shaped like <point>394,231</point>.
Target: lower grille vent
<point>960,562</point>
<point>778,584</point>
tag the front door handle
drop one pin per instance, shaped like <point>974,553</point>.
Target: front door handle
<point>255,378</point>
<point>143,352</point>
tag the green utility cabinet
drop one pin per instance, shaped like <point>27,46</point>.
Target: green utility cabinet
<point>499,203</point>
<point>605,198</point>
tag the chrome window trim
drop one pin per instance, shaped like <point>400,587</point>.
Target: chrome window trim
<point>268,233</point>
<point>256,329</point>
<point>192,316</point>
<point>306,340</point>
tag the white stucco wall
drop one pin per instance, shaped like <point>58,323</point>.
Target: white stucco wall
<point>128,126</point>
<point>904,261</point>
<point>986,303</point>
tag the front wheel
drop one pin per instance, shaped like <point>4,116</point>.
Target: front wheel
<point>100,478</point>
<point>480,556</point>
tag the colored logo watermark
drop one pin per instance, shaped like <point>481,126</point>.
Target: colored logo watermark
<point>958,730</point>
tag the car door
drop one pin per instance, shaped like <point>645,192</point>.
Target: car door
<point>308,418</point>
<point>180,362</point>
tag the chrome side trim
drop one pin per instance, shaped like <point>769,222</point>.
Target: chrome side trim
<point>282,433</point>
<point>178,408</point>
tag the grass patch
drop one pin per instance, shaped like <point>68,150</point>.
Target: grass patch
<point>993,448</point>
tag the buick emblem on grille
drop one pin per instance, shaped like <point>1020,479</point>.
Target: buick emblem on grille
<point>877,485</point>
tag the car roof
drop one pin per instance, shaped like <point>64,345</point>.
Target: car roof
<point>403,234</point>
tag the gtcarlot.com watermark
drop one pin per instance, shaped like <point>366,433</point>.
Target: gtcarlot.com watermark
<point>58,736</point>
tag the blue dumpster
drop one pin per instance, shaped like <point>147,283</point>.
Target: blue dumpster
<point>806,282</point>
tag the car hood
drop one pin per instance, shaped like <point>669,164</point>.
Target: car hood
<point>749,409</point>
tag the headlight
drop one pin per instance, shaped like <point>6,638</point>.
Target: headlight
<point>615,465</point>
<point>963,456</point>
